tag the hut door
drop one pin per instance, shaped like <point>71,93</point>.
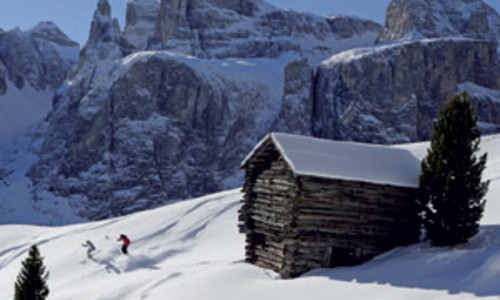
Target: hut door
<point>335,257</point>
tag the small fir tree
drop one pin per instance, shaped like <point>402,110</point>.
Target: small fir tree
<point>452,193</point>
<point>31,283</point>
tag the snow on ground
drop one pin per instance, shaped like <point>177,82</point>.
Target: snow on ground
<point>192,250</point>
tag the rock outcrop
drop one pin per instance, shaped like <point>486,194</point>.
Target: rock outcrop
<point>164,127</point>
<point>236,28</point>
<point>417,19</point>
<point>217,29</point>
<point>391,94</point>
<point>104,37</point>
<point>252,28</point>
<point>141,21</point>
<point>298,98</point>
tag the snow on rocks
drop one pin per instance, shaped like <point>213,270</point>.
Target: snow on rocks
<point>417,19</point>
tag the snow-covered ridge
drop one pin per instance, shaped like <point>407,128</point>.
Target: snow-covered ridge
<point>390,93</point>
<point>68,49</point>
<point>231,29</point>
<point>358,53</point>
<point>51,32</point>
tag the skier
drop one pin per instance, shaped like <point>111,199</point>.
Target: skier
<point>126,242</point>
<point>91,248</point>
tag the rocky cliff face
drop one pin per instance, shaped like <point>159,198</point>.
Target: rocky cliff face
<point>296,113</point>
<point>41,57</point>
<point>165,127</point>
<point>134,129</point>
<point>33,64</point>
<point>417,19</point>
<point>141,21</point>
<point>235,28</point>
<point>104,37</point>
<point>224,29</point>
<point>391,94</point>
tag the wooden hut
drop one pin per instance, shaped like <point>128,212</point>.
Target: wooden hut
<point>313,203</point>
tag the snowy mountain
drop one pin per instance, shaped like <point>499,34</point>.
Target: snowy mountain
<point>222,29</point>
<point>413,80</point>
<point>243,29</point>
<point>68,49</point>
<point>192,250</point>
<point>391,92</point>
<point>33,64</point>
<point>41,57</point>
<point>167,107</point>
<point>133,128</point>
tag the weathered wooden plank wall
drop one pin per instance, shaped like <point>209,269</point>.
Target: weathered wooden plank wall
<point>266,215</point>
<point>363,219</point>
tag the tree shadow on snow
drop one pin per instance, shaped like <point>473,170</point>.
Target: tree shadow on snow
<point>471,268</point>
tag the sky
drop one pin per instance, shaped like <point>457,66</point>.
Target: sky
<point>74,16</point>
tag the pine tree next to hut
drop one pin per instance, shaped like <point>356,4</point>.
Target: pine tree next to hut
<point>31,283</point>
<point>452,192</point>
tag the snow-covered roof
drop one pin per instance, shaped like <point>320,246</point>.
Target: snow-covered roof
<point>346,160</point>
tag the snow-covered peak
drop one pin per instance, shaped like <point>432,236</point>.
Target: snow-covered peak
<point>416,19</point>
<point>104,37</point>
<point>42,56</point>
<point>103,8</point>
<point>104,28</point>
<point>51,32</point>
<point>379,50</point>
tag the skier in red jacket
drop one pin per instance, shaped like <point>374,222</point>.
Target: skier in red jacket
<point>126,242</point>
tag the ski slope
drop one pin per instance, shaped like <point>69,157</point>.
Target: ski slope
<point>192,250</point>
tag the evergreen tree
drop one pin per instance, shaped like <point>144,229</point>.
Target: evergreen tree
<point>31,283</point>
<point>452,193</point>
